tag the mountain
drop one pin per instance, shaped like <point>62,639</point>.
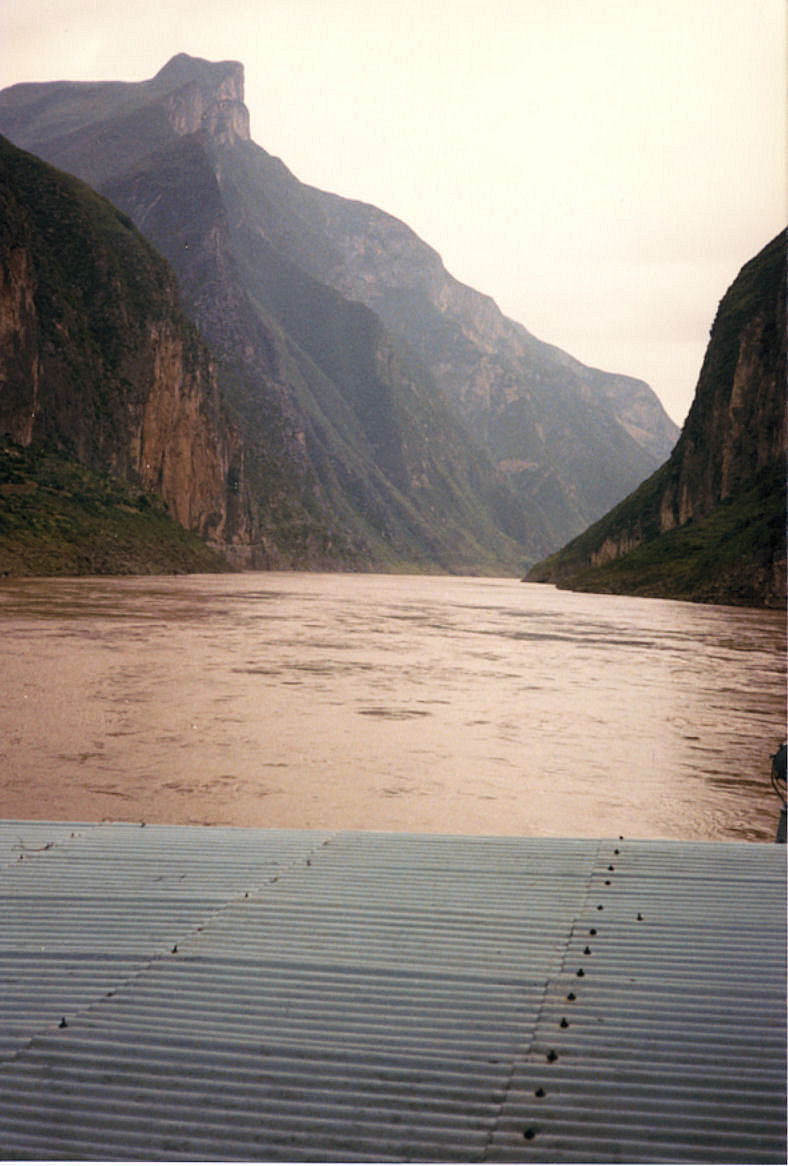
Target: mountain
<point>571,440</point>
<point>351,457</point>
<point>710,524</point>
<point>100,368</point>
<point>355,364</point>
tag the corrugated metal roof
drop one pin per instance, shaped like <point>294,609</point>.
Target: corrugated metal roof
<point>305,995</point>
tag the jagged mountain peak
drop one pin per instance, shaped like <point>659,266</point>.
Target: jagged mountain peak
<point>188,95</point>
<point>183,68</point>
<point>203,95</point>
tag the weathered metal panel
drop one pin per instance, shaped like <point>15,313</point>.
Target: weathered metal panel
<point>313,996</point>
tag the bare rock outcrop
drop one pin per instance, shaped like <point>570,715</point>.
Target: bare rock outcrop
<point>209,98</point>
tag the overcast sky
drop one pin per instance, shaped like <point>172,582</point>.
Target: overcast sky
<point>601,168</point>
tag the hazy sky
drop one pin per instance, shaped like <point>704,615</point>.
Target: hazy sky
<point>601,168</point>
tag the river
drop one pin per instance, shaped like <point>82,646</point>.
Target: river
<point>386,702</point>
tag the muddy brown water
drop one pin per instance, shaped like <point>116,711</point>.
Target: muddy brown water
<point>384,702</point>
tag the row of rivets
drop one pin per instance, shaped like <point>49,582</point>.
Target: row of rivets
<point>530,1132</point>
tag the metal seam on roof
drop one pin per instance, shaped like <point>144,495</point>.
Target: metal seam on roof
<point>345,996</point>
<point>579,1043</point>
<point>522,1056</point>
<point>64,835</point>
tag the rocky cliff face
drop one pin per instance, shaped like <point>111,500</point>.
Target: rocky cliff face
<point>710,523</point>
<point>736,426</point>
<point>97,360</point>
<point>174,198</point>
<point>199,98</point>
<point>19,365</point>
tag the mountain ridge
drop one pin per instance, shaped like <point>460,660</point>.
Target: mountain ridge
<point>491,370</point>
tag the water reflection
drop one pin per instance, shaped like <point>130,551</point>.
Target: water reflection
<point>386,702</point>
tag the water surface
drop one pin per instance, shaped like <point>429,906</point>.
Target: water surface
<point>388,703</point>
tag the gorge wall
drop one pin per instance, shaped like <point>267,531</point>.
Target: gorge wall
<point>710,524</point>
<point>98,361</point>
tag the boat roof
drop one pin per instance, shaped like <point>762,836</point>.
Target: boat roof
<point>189,992</point>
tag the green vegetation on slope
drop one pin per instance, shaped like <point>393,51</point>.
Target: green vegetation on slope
<point>86,253</point>
<point>727,557</point>
<point>59,518</point>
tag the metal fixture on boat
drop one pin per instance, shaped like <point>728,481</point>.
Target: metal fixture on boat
<point>779,786</point>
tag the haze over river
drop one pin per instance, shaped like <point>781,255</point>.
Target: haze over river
<point>385,702</point>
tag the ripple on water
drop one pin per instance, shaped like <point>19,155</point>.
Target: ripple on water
<point>393,714</point>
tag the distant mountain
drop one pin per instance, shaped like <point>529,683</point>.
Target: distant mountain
<point>571,440</point>
<point>99,368</point>
<point>710,524</point>
<point>355,364</point>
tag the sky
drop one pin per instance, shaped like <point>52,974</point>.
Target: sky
<point>601,168</point>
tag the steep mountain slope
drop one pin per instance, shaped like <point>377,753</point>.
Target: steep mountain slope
<point>710,524</point>
<point>572,440</point>
<point>351,455</point>
<point>350,412</point>
<point>97,360</point>
<point>382,454</point>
